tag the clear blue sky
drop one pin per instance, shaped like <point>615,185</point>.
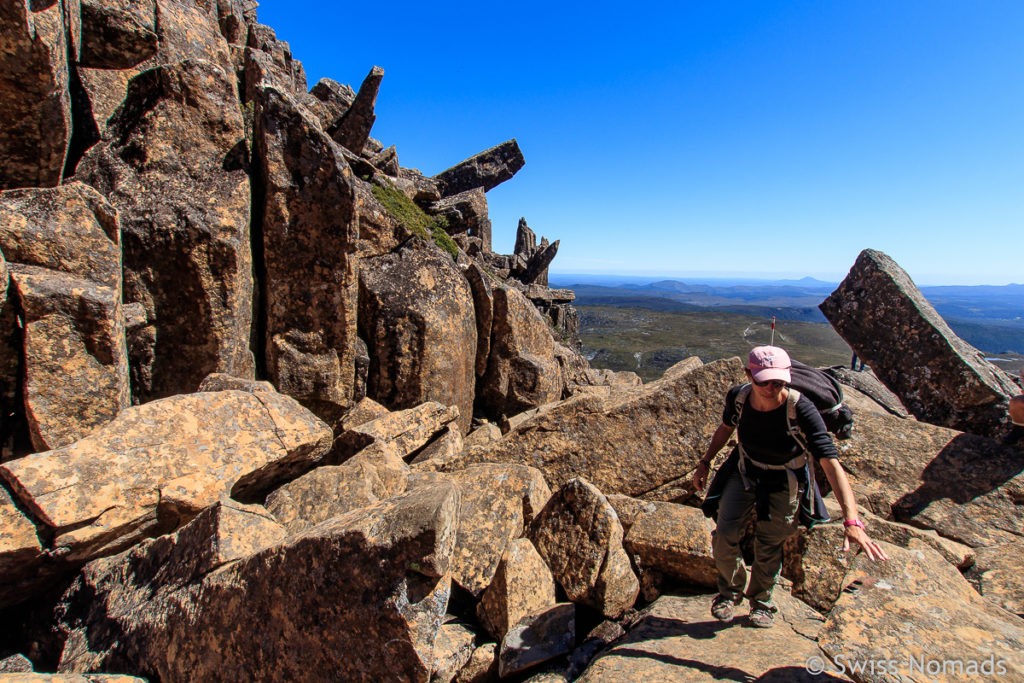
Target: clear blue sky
<point>755,138</point>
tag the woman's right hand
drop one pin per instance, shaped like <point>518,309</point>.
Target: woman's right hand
<point>700,476</point>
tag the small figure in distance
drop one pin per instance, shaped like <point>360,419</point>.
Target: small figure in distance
<point>1016,433</point>
<point>771,470</point>
<point>853,363</point>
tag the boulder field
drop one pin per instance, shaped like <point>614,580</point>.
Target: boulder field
<point>274,409</point>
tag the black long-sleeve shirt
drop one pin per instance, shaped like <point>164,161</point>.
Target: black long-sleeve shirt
<point>764,435</point>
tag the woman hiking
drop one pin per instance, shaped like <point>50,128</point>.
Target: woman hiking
<point>769,469</point>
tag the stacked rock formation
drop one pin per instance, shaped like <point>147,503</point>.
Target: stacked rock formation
<point>209,214</point>
<point>274,410</point>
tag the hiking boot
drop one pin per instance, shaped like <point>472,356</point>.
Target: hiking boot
<point>722,608</point>
<point>761,617</point>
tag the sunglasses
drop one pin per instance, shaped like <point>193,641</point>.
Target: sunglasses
<point>776,384</point>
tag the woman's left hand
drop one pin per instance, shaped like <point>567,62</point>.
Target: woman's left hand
<point>860,537</point>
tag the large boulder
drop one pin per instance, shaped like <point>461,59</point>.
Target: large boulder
<point>915,616</point>
<point>580,538</point>
<point>417,316</point>
<point>523,371</point>
<point>963,486</point>
<point>487,169</point>
<point>64,248</point>
<point>358,597</point>
<point>631,441</point>
<point>35,103</point>
<point>309,239</point>
<point>675,541</point>
<point>523,585</point>
<point>174,169</point>
<point>940,378</point>
<point>405,431</point>
<point>157,465</point>
<point>495,502</point>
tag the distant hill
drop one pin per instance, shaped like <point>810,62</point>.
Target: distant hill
<point>991,318</point>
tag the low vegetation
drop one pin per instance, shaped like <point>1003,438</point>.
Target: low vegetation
<point>647,342</point>
<point>413,218</point>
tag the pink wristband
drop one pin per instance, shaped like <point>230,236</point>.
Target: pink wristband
<point>854,522</point>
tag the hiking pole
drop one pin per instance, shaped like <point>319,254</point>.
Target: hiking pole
<point>773,332</point>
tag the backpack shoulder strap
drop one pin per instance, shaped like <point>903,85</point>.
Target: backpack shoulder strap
<point>741,400</point>
<point>792,426</point>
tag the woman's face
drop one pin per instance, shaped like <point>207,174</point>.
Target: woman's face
<point>772,389</point>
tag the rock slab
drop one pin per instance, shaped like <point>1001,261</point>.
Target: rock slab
<point>940,378</point>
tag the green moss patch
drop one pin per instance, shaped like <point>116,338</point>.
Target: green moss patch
<point>413,219</point>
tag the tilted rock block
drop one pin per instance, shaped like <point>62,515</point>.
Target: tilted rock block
<point>466,212</point>
<point>404,430</point>
<point>417,314</point>
<point>353,130</point>
<point>537,638</point>
<point>453,648</point>
<point>117,34</point>
<point>441,451</point>
<point>174,171</point>
<point>495,501</point>
<point>35,104</point>
<point>483,304</point>
<point>940,378</point>
<point>523,585</point>
<point>324,493</point>
<point>522,370</point>
<point>64,245</point>
<point>335,99</point>
<point>580,538</point>
<point>630,441</point>
<point>358,597</point>
<point>309,240</point>
<point>157,465</point>
<point>488,169</point>
<point>674,540</point>
<point>76,360</point>
<point>917,610</point>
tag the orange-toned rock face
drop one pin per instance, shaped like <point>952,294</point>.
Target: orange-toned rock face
<point>522,369</point>
<point>523,585</point>
<point>174,170</point>
<point>494,498</point>
<point>358,597</point>
<point>674,540</point>
<point>160,463</point>
<point>952,624</point>
<point>417,312</point>
<point>580,538</point>
<point>631,440</point>
<point>64,247</point>
<point>35,106</point>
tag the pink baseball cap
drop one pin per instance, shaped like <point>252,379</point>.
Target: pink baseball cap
<point>769,362</point>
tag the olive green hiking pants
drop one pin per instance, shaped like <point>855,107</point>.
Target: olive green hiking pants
<point>734,513</point>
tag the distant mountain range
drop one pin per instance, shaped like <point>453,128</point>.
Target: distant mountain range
<point>989,317</point>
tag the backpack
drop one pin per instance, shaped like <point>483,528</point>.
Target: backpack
<point>826,393</point>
